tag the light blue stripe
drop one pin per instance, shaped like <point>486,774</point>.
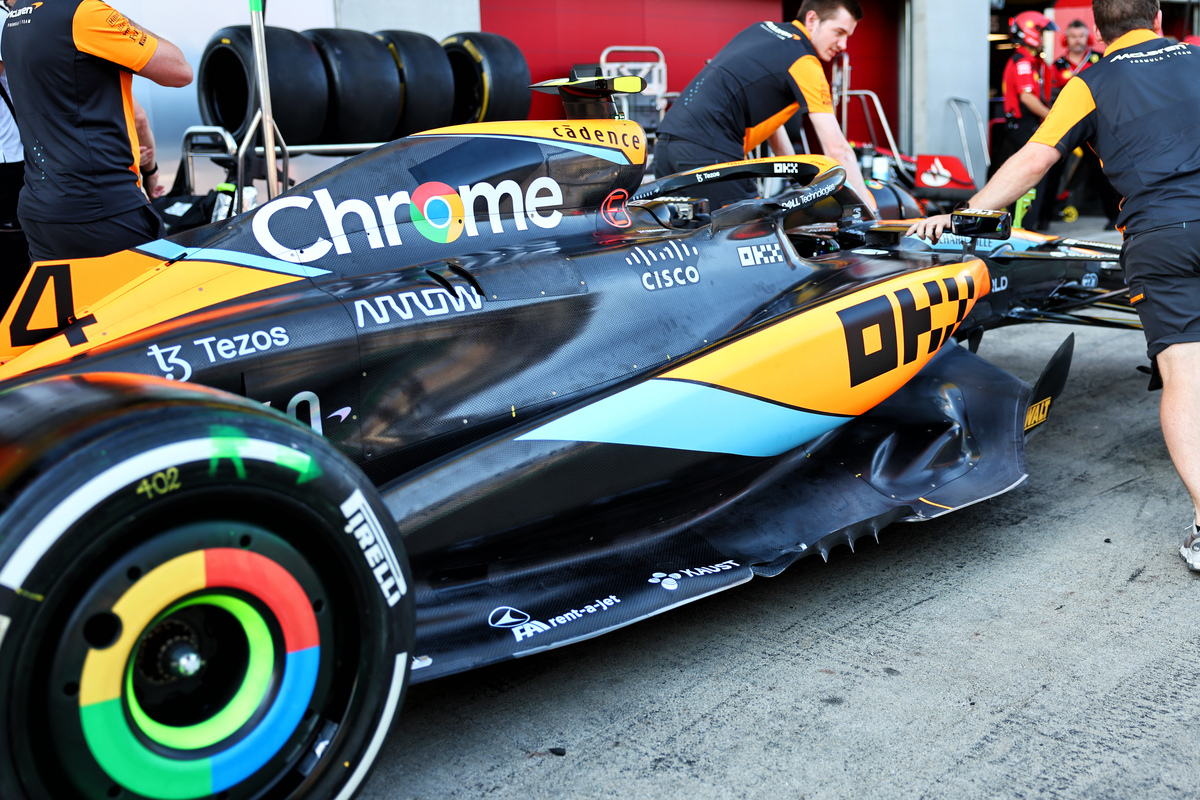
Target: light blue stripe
<point>688,416</point>
<point>613,156</point>
<point>163,249</point>
<point>170,251</point>
<point>239,762</point>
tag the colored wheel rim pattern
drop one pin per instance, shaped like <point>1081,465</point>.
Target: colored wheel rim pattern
<point>106,691</point>
<point>254,688</point>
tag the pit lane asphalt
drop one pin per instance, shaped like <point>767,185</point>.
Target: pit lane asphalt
<point>1037,645</point>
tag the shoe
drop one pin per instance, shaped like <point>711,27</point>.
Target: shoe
<point>1190,551</point>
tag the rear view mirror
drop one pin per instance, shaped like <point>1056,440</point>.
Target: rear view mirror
<point>981,224</point>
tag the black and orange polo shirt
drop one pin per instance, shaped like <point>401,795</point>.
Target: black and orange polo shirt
<point>1139,109</point>
<point>70,65</point>
<point>767,73</point>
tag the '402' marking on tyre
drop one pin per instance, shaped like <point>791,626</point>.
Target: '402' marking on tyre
<point>160,483</point>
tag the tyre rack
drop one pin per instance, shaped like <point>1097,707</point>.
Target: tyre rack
<point>209,140</point>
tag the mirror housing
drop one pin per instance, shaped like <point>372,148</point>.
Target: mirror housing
<point>977,223</point>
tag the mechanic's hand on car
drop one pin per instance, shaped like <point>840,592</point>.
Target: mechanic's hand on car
<point>930,228</point>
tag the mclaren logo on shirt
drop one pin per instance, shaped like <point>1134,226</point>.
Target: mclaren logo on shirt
<point>772,28</point>
<point>1155,55</point>
<point>20,12</point>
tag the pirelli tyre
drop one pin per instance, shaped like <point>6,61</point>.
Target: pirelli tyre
<point>198,598</point>
<point>426,81</point>
<point>299,88</point>
<point>491,78</point>
<point>364,86</point>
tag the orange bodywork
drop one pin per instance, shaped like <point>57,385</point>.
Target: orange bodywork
<point>110,297</point>
<point>830,338</point>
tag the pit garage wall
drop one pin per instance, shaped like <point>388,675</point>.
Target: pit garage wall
<point>946,39</point>
<point>948,50</point>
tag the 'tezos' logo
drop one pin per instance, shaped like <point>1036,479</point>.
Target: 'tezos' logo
<point>873,340</point>
<point>437,211</point>
<point>613,209</point>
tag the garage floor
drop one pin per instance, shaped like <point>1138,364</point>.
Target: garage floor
<point>1040,644</point>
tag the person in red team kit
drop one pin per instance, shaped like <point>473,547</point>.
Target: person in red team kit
<point>741,99</point>
<point>1079,56</point>
<point>1026,88</point>
<point>1138,108</point>
<point>70,64</point>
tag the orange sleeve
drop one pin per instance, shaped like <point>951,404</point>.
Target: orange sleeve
<point>102,31</point>
<point>809,76</point>
<point>1071,121</point>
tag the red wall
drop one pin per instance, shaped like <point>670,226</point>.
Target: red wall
<point>554,35</point>
<point>875,65</point>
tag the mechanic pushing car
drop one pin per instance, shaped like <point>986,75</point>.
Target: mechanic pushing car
<point>1138,107</point>
<point>70,65</point>
<point>750,88</point>
<point>1078,40</point>
<point>1026,88</point>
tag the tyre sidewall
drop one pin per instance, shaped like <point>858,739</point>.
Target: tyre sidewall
<point>110,517</point>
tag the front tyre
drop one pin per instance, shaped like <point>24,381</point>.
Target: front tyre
<point>201,601</point>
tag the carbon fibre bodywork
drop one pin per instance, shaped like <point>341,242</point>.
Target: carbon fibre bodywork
<point>580,411</point>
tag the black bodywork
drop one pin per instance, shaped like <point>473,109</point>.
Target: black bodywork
<point>429,363</point>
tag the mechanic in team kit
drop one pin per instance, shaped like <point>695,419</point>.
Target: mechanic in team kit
<point>750,88</point>
<point>1079,56</point>
<point>1138,107</point>
<point>14,250</point>
<point>1026,88</point>
<point>70,65</point>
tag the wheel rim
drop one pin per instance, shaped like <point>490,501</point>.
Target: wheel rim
<point>197,674</point>
<point>171,650</point>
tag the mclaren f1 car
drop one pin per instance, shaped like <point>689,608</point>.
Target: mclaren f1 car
<point>469,396</point>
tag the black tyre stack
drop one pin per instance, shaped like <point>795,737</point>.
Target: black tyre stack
<point>337,86</point>
<point>491,78</point>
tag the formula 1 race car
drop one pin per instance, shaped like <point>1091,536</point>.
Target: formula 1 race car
<point>469,396</point>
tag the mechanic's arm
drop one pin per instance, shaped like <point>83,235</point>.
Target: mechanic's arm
<point>1015,177</point>
<point>780,143</point>
<point>1033,104</point>
<point>834,144</point>
<point>167,67</point>
<point>147,162</point>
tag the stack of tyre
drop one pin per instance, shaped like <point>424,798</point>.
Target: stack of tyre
<point>339,86</point>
